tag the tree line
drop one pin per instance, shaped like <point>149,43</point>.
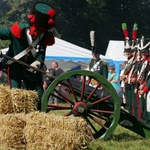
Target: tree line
<point>76,18</point>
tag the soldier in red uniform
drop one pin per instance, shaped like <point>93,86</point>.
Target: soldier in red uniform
<point>142,73</point>
<point>130,51</point>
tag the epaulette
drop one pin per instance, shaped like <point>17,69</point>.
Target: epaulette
<point>104,62</point>
<point>16,29</point>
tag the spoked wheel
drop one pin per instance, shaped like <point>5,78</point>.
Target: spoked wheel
<point>88,95</point>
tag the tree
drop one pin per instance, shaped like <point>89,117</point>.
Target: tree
<point>129,12</point>
<point>76,18</point>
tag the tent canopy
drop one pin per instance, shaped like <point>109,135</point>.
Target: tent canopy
<point>115,50</point>
<point>68,51</point>
<point>75,56</point>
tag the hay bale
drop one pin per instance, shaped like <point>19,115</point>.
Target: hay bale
<point>23,101</point>
<point>17,100</point>
<point>11,131</point>
<point>57,121</point>
<point>50,132</point>
<point>5,100</point>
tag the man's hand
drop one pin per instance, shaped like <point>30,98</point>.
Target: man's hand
<point>36,64</point>
<point>123,77</point>
<point>141,87</point>
<point>141,92</point>
<point>133,80</point>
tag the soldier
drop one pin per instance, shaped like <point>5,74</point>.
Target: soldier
<point>28,44</point>
<point>142,72</point>
<point>130,51</point>
<point>146,91</point>
<point>124,77</point>
<point>136,110</point>
<point>96,64</point>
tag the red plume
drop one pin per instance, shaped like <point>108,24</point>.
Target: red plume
<point>134,31</point>
<point>125,31</point>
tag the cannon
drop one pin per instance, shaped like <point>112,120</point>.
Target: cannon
<point>97,103</point>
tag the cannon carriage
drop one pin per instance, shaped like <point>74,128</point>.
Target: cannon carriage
<point>98,104</point>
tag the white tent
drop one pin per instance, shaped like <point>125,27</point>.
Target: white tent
<point>68,55</point>
<point>68,51</point>
<point>115,50</point>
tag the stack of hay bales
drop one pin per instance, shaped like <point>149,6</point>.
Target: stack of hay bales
<point>22,127</point>
<point>43,131</point>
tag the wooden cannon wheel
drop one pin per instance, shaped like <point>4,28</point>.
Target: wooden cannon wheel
<point>88,95</point>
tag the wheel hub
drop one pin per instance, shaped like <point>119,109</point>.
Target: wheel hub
<point>80,109</point>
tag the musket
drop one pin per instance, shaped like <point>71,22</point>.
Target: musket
<point>142,76</point>
<point>135,71</point>
<point>128,67</point>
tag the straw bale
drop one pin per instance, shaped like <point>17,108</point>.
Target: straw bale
<point>17,100</point>
<point>11,131</point>
<point>5,100</point>
<point>24,100</point>
<point>51,132</point>
<point>57,121</point>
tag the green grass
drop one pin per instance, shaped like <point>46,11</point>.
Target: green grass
<point>122,139</point>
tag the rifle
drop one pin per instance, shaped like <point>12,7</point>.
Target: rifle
<point>135,71</point>
<point>143,72</point>
<point>143,76</point>
<point>128,66</point>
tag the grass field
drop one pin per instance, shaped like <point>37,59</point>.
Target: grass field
<point>122,139</point>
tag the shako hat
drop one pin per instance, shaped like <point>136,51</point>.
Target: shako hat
<point>135,44</point>
<point>127,45</point>
<point>130,45</point>
<point>94,46</point>
<point>95,50</point>
<point>42,16</point>
<point>144,44</point>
